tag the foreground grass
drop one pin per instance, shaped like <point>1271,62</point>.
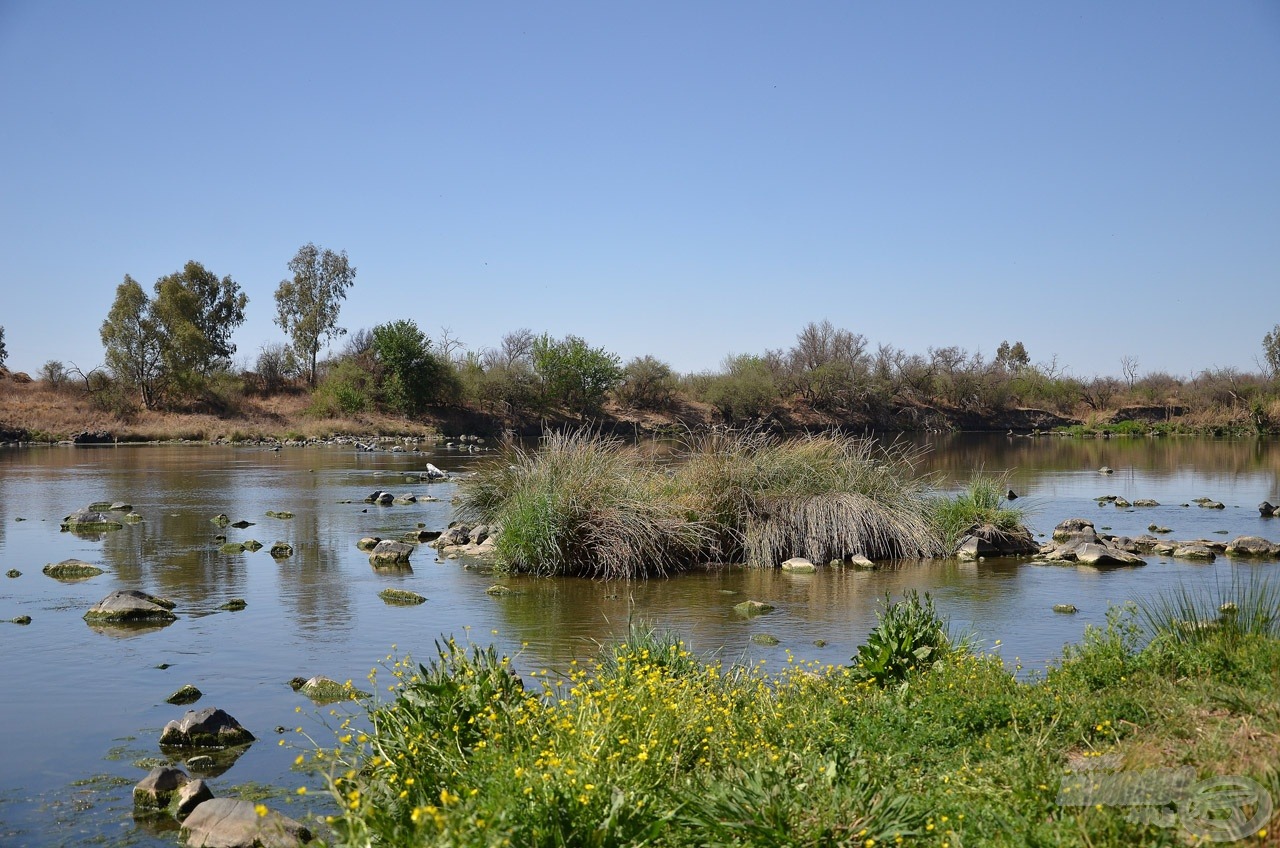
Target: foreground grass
<point>651,745</point>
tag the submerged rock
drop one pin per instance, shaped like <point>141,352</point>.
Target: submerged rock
<point>188,694</point>
<point>368,543</point>
<point>231,548</point>
<point>497,590</point>
<point>90,521</point>
<point>1146,502</point>
<point>764,639</point>
<point>1065,608</point>
<point>220,519</point>
<point>401,597</point>
<point>131,605</point>
<point>1194,551</point>
<point>324,690</point>
<point>242,524</point>
<point>231,823</point>
<point>13,572</point>
<point>20,619</point>
<point>283,514</point>
<point>750,609</point>
<point>251,545</point>
<point>281,550</point>
<point>206,728</point>
<point>71,569</point>
<point>234,605</point>
<point>1266,510</point>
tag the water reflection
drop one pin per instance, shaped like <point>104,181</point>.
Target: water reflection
<point>318,612</point>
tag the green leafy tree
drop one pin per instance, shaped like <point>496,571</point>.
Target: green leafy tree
<point>4,353</point>
<point>132,339</point>
<point>307,306</point>
<point>1012,357</point>
<point>574,373</point>
<point>412,375</point>
<point>1271,350</point>
<point>196,313</point>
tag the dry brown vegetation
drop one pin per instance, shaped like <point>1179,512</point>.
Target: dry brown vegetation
<point>49,414</point>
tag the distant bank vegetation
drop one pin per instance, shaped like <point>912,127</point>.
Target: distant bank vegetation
<point>170,352</point>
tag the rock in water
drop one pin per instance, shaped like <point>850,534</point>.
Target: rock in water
<point>130,605</point>
<point>390,552</point>
<point>207,728</point>
<point>748,609</point>
<point>799,565</point>
<point>157,789</point>
<point>231,823</point>
<point>71,569</point>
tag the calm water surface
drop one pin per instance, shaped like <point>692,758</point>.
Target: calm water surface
<point>82,708</point>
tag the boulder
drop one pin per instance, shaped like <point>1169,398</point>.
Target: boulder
<point>407,498</point>
<point>1121,503</point>
<point>155,791</point>
<point>799,565</point>
<point>231,823</point>
<point>1266,510</point>
<point>458,534</point>
<point>368,543</point>
<point>206,728</point>
<point>1212,505</point>
<point>860,561</point>
<point>390,552</point>
<point>1252,546</point>
<point>1194,551</point>
<point>973,547</point>
<point>131,605</point>
<point>71,569</point>
<point>1075,531</point>
<point>191,796</point>
<point>479,534</point>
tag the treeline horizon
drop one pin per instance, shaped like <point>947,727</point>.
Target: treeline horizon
<point>171,351</point>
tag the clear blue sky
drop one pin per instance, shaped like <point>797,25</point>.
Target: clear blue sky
<point>1098,180</point>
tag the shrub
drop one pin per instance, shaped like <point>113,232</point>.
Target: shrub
<point>647,383</point>
<point>910,636</point>
<point>347,389</point>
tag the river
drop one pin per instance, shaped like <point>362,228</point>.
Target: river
<point>83,707</point>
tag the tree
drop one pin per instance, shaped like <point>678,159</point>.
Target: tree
<point>196,313</point>
<point>4,353</point>
<point>647,383</point>
<point>575,374</point>
<point>1271,350</point>
<point>132,339</point>
<point>1012,357</point>
<point>412,375</point>
<point>307,306</point>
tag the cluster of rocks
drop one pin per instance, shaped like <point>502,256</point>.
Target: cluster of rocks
<point>465,540</point>
<point>1077,541</point>
<point>988,540</point>
<point>206,820</point>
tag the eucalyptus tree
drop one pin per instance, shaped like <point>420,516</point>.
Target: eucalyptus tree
<point>132,339</point>
<point>196,313</point>
<point>307,305</point>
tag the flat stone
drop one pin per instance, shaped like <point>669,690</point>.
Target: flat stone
<point>232,823</point>
<point>750,609</point>
<point>71,569</point>
<point>390,552</point>
<point>1201,553</point>
<point>799,565</point>
<point>89,520</point>
<point>1101,556</point>
<point>401,597</point>
<point>1252,546</point>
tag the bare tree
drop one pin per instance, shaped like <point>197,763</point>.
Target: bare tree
<point>1129,365</point>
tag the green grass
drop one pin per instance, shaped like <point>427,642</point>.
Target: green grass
<point>651,745</point>
<point>982,501</point>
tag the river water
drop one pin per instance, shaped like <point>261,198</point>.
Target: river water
<point>82,708</point>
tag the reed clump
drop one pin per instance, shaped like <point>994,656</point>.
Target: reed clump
<point>982,502</point>
<point>592,505</point>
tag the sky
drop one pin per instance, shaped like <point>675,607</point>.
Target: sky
<point>1098,180</point>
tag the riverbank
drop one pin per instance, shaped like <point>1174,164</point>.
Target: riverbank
<point>1157,729</point>
<point>36,412</point>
